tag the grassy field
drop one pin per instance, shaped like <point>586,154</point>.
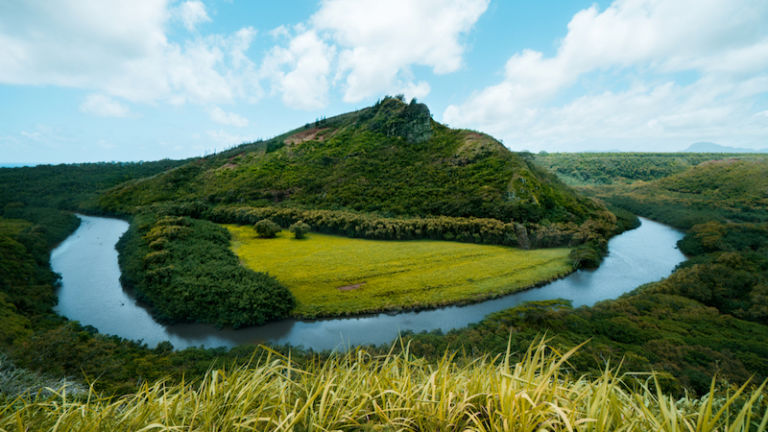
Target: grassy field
<point>332,275</point>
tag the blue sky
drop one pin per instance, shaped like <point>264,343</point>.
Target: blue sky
<point>94,80</point>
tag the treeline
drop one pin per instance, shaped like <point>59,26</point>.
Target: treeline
<point>590,237</point>
<point>26,237</point>
<point>611,168</point>
<point>184,270</point>
<point>71,186</point>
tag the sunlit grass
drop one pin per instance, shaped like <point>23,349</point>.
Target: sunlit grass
<point>360,392</point>
<point>333,275</point>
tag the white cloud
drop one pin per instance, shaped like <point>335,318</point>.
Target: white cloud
<point>193,13</point>
<point>280,31</point>
<point>223,139</point>
<point>379,41</point>
<point>723,44</point>
<point>120,49</point>
<point>226,118</point>
<point>300,71</point>
<point>103,106</point>
<point>367,47</point>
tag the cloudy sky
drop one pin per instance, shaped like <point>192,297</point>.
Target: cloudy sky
<point>91,80</point>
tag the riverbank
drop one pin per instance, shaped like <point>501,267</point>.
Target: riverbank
<point>635,257</point>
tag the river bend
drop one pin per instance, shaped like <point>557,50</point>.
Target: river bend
<point>91,293</point>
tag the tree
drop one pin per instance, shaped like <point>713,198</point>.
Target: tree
<point>299,229</point>
<point>265,228</point>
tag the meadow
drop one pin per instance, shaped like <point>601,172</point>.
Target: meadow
<point>334,275</point>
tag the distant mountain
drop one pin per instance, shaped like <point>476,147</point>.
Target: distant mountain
<point>709,147</point>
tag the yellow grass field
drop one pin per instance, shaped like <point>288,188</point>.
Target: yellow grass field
<point>333,275</point>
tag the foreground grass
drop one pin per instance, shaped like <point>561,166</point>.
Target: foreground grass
<point>332,275</point>
<point>357,391</point>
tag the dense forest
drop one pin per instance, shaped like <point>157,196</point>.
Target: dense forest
<point>72,186</point>
<point>585,169</point>
<point>184,268</point>
<point>725,190</point>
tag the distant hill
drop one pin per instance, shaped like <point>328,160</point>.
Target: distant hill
<point>727,190</point>
<point>589,169</point>
<point>390,159</point>
<point>709,147</point>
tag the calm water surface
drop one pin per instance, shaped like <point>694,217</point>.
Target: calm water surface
<point>91,293</point>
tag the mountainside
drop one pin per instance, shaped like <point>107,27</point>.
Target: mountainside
<point>391,159</point>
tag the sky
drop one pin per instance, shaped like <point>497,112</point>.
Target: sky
<point>109,80</point>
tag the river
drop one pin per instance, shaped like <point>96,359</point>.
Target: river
<point>91,294</point>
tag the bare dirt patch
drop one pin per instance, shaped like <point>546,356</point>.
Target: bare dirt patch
<point>305,135</point>
<point>350,287</point>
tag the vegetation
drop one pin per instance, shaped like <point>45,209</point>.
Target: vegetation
<point>379,173</point>
<point>72,186</point>
<point>391,159</point>
<point>266,228</point>
<point>331,275</point>
<point>299,230</point>
<point>469,230</point>
<point>707,318</point>
<point>585,169</point>
<point>726,190</point>
<point>359,391</point>
<point>183,268</point>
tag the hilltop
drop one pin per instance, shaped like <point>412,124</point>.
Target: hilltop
<point>391,159</point>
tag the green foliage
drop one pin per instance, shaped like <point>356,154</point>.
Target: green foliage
<point>266,228</point>
<point>299,229</point>
<point>26,280</point>
<point>468,230</point>
<point>390,159</point>
<point>726,191</point>
<point>183,268</point>
<point>582,169</point>
<point>72,186</point>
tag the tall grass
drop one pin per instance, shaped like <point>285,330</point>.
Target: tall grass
<point>16,381</point>
<point>360,392</point>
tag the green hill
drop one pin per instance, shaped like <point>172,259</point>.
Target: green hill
<point>589,169</point>
<point>391,159</point>
<point>728,190</point>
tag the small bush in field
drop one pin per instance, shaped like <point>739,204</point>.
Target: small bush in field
<point>299,229</point>
<point>266,228</point>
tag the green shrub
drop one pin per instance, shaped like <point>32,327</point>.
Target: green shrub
<point>299,229</point>
<point>266,228</point>
<point>184,269</point>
